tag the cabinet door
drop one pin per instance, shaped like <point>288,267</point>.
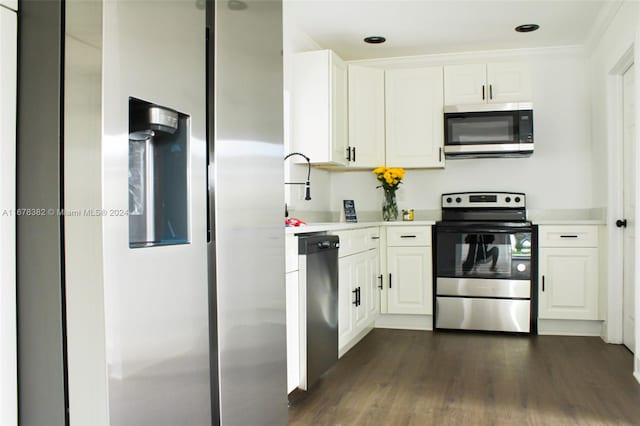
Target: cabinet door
<point>414,117</point>
<point>508,82</point>
<point>293,331</point>
<point>465,84</point>
<point>366,116</point>
<point>372,301</point>
<point>568,283</point>
<point>361,284</point>
<point>339,128</point>
<point>319,109</point>
<point>409,280</point>
<point>346,298</point>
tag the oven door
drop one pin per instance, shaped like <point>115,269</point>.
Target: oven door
<point>484,277</point>
<point>483,251</point>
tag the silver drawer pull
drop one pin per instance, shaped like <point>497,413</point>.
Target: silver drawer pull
<point>407,236</point>
<point>568,236</point>
<point>375,238</point>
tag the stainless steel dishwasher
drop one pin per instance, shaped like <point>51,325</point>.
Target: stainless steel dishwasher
<point>318,274</point>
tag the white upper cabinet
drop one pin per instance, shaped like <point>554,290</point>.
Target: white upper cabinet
<point>465,84</point>
<point>11,4</point>
<point>414,117</point>
<point>319,113</point>
<point>366,117</point>
<point>509,82</point>
<point>486,83</point>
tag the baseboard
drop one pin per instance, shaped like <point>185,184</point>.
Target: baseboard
<point>355,340</point>
<point>405,322</point>
<point>570,328</point>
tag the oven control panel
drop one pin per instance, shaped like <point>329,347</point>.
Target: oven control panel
<point>478,200</point>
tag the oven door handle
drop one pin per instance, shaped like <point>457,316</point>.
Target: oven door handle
<point>483,229</point>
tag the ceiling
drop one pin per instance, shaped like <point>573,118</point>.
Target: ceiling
<point>415,27</point>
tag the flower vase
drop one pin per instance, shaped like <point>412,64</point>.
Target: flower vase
<point>389,206</point>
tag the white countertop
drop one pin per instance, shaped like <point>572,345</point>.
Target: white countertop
<point>569,222</point>
<point>338,226</point>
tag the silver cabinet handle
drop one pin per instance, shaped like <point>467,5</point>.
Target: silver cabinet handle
<point>375,238</point>
<point>568,236</point>
<point>408,236</point>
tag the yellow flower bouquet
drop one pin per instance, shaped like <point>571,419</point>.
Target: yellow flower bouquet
<point>390,178</point>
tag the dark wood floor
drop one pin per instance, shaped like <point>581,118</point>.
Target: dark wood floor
<point>400,377</point>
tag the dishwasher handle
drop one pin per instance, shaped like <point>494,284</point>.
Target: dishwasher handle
<point>318,243</point>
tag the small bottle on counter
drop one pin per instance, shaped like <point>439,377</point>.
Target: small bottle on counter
<point>407,215</point>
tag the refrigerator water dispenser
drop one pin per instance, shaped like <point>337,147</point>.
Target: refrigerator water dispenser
<point>158,171</point>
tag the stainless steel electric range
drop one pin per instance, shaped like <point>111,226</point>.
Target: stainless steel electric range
<point>485,264</point>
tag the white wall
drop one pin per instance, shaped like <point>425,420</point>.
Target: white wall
<point>556,176</point>
<point>295,41</point>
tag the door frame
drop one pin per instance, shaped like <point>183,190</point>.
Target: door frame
<point>613,331</point>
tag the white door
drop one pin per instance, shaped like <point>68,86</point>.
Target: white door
<point>346,273</point>
<point>465,84</point>
<point>360,290</point>
<point>8,353</point>
<point>414,117</point>
<point>373,294</point>
<point>366,116</point>
<point>508,82</point>
<point>409,280</point>
<point>628,336</point>
<point>568,283</point>
<point>339,128</point>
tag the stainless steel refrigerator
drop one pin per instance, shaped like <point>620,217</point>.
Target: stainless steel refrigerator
<point>158,297</point>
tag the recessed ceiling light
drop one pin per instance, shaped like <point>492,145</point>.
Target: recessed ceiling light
<point>527,28</point>
<point>374,39</point>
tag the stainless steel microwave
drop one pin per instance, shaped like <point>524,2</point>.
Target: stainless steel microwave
<point>488,130</point>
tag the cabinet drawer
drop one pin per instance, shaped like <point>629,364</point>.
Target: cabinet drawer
<point>568,236</point>
<point>357,240</point>
<point>407,236</point>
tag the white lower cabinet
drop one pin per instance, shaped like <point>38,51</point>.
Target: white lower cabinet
<point>568,284</point>
<point>358,292</point>
<point>568,273</point>
<point>358,297</point>
<point>408,276</point>
<point>409,280</point>
<point>293,331</point>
